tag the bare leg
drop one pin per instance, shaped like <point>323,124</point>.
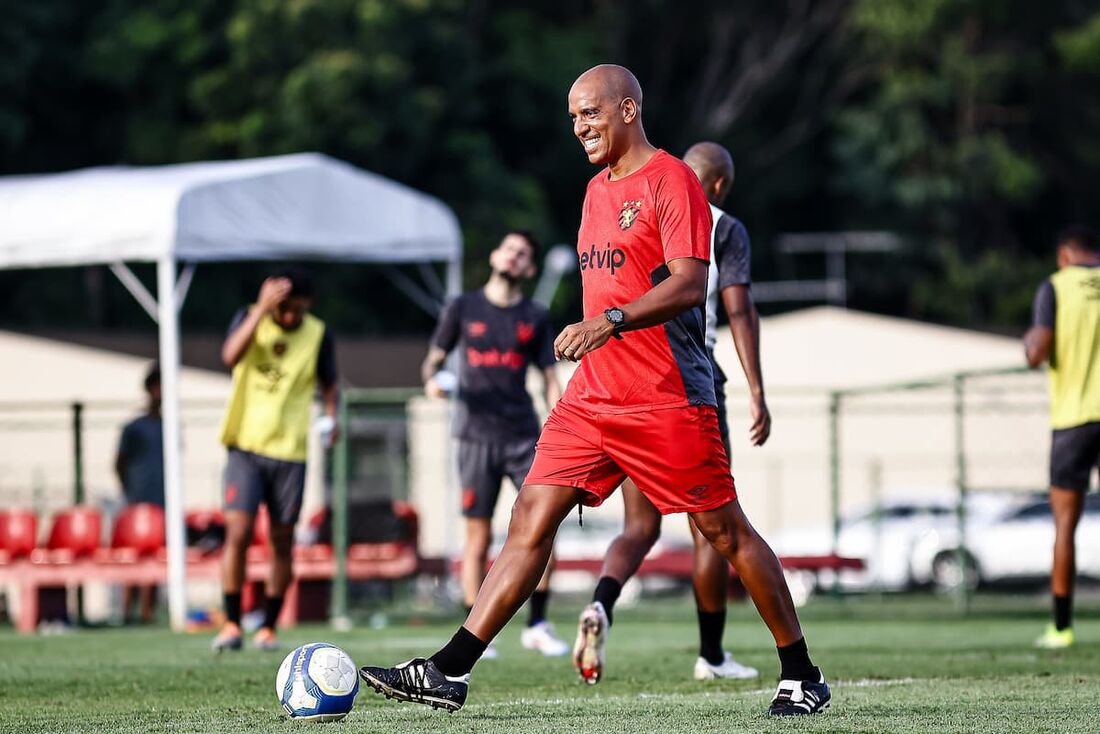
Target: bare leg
<point>148,603</point>
<point>710,574</point>
<point>641,528</point>
<point>544,582</point>
<point>129,601</point>
<point>1066,505</point>
<point>536,516</point>
<point>731,534</point>
<point>238,535</point>
<point>474,555</point>
<point>282,559</point>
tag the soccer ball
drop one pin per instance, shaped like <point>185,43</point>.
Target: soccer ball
<point>317,682</point>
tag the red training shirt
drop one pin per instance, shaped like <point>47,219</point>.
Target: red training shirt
<point>630,228</point>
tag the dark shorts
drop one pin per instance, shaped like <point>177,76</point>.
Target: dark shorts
<point>1073,454</point>
<point>482,466</point>
<point>674,455</point>
<point>251,479</point>
<point>720,396</point>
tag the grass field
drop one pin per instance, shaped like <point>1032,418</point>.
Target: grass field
<point>896,665</point>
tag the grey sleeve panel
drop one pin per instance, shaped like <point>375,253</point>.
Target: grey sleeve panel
<point>1045,306</point>
<point>326,360</point>
<point>732,252</point>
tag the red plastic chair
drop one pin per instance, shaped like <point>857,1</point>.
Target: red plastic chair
<point>18,534</point>
<point>74,534</point>
<point>139,528</point>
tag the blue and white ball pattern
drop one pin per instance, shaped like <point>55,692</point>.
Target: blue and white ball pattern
<point>317,682</point>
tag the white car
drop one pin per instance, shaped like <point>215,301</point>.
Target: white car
<point>886,542</point>
<point>1015,547</point>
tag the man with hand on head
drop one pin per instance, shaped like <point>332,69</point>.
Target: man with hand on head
<point>279,353</point>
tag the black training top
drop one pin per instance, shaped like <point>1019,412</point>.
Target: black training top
<point>497,345</point>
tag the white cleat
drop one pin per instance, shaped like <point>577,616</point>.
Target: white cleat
<point>541,637</point>
<point>728,668</point>
<point>591,638</point>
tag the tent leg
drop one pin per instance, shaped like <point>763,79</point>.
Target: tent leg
<point>168,322</point>
<point>454,275</point>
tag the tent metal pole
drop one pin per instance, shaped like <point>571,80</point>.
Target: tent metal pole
<point>184,284</point>
<point>454,275</point>
<point>137,289</point>
<point>170,411</point>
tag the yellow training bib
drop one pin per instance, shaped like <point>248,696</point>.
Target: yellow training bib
<point>1075,362</point>
<point>273,387</point>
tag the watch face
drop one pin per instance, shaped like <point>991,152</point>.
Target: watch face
<point>615,315</point>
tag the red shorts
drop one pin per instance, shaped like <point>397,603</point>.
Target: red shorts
<point>674,455</point>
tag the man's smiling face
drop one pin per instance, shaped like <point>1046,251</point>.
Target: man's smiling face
<point>597,121</point>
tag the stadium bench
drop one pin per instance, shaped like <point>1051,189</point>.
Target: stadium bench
<point>138,557</point>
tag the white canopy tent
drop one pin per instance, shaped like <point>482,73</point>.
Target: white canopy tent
<point>295,207</point>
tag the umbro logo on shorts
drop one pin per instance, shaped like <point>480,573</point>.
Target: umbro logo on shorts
<point>698,491</point>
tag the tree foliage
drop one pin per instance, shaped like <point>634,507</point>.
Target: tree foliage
<point>965,125</point>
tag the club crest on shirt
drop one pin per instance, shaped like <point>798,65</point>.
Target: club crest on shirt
<point>477,328</point>
<point>279,349</point>
<point>525,332</point>
<point>629,213</point>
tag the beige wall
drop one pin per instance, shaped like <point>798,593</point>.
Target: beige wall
<point>896,442</point>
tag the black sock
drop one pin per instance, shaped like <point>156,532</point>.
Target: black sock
<point>794,663</point>
<point>1063,612</point>
<point>459,655</point>
<point>607,592</point>
<point>233,607</point>
<point>711,626</point>
<point>272,606</point>
<point>538,608</point>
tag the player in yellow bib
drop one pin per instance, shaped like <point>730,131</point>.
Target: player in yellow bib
<point>1065,333</point>
<point>279,353</point>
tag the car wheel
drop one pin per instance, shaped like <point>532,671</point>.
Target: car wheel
<point>950,572</point>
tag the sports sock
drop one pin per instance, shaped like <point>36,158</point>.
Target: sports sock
<point>458,656</point>
<point>794,662</point>
<point>607,593</point>
<point>1063,612</point>
<point>538,608</point>
<point>233,607</point>
<point>272,606</point>
<point>711,626</point>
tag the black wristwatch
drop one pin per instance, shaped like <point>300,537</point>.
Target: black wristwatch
<point>617,319</point>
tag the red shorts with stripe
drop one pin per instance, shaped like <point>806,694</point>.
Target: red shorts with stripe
<point>674,455</point>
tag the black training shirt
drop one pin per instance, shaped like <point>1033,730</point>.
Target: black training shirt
<point>496,346</point>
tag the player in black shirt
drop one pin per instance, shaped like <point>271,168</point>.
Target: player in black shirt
<point>499,333</point>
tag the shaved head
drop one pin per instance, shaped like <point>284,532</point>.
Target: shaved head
<point>613,82</point>
<point>710,161</point>
<point>605,105</point>
<point>713,164</point>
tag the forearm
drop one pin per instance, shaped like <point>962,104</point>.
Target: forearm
<point>432,364</point>
<point>237,342</point>
<point>1037,345</point>
<point>330,396</point>
<point>745,327</point>
<point>667,300</point>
